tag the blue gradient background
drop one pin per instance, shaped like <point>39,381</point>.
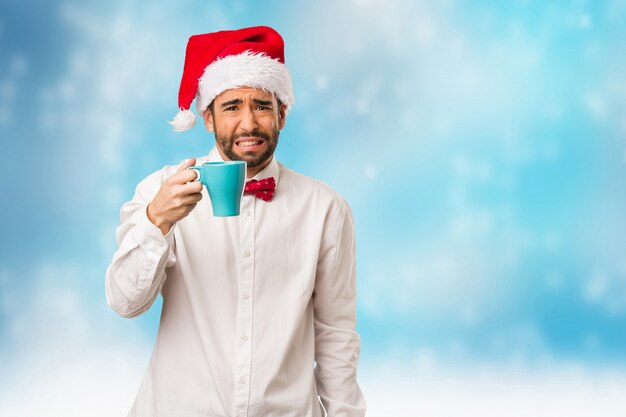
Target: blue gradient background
<point>481,146</point>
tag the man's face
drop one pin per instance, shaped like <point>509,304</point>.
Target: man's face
<point>246,122</point>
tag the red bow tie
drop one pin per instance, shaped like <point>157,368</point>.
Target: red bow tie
<point>263,189</point>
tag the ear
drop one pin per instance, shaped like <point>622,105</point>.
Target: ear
<point>282,114</point>
<point>208,120</point>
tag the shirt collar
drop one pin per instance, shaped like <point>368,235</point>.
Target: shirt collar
<point>271,170</point>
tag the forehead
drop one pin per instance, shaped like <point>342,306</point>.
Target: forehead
<point>243,93</point>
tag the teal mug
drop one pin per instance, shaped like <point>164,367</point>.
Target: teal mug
<point>225,183</point>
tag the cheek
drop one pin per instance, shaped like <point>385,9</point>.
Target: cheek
<point>227,126</point>
<point>272,123</point>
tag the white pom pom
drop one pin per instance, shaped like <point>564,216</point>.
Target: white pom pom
<point>184,120</point>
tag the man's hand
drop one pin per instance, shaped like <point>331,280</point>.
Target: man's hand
<point>177,196</point>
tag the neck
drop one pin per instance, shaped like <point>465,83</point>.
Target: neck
<point>251,172</point>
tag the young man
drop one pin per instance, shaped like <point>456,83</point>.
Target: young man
<point>258,311</point>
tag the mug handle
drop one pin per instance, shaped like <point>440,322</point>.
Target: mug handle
<point>198,172</point>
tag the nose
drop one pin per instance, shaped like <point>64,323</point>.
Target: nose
<point>248,120</point>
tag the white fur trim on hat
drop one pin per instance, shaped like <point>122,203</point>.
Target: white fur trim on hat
<point>244,70</point>
<point>184,120</point>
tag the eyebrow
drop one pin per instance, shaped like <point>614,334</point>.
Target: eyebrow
<point>262,102</point>
<point>231,102</point>
<point>239,101</point>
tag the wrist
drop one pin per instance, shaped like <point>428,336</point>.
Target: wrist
<point>157,220</point>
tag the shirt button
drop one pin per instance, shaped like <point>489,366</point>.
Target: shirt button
<point>248,213</point>
<point>242,380</point>
<point>246,253</point>
<point>244,338</point>
<point>246,296</point>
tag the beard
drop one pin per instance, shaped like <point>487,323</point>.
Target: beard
<point>253,159</point>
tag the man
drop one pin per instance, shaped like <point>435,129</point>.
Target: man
<point>258,313</point>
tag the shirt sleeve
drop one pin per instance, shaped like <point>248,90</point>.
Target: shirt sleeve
<point>137,271</point>
<point>337,343</point>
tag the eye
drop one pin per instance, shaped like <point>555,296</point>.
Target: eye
<point>231,108</point>
<point>261,107</point>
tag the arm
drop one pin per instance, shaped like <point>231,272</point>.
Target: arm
<point>336,342</point>
<point>146,240</point>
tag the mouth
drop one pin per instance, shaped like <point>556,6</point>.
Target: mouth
<point>251,143</point>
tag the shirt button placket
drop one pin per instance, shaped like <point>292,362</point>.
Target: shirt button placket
<point>245,308</point>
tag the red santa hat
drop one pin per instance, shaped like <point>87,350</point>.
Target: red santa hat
<point>216,62</point>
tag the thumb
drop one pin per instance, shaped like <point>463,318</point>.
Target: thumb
<point>186,163</point>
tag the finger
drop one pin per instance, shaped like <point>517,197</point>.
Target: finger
<point>185,164</point>
<point>183,177</point>
<point>191,199</point>
<point>191,187</point>
<point>181,190</point>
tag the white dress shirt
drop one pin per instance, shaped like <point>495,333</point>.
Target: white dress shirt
<point>258,313</point>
